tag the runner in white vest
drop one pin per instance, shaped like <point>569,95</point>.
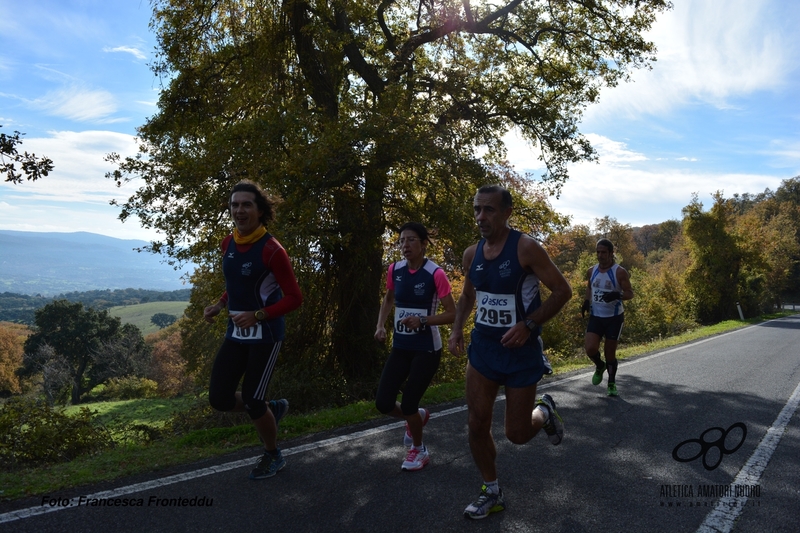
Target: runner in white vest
<point>608,284</point>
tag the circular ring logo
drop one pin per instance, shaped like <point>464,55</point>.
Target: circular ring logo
<point>708,445</point>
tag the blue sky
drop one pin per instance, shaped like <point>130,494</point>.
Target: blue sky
<point>718,111</point>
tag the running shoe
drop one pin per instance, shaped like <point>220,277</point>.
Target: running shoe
<point>279,408</point>
<point>548,368</point>
<point>416,459</point>
<point>598,374</point>
<point>486,504</point>
<point>555,425</point>
<point>408,440</point>
<point>612,389</point>
<point>268,466</point>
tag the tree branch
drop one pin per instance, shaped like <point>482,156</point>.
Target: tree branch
<point>367,72</point>
<point>390,40</point>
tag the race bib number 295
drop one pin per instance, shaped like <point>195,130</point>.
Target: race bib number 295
<point>495,310</point>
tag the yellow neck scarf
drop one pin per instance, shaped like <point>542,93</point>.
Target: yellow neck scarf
<point>249,239</point>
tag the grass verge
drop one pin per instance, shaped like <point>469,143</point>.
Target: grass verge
<point>136,459</point>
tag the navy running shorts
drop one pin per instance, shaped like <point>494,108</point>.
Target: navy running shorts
<point>511,367</point>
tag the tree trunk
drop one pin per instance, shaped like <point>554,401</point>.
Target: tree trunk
<point>77,388</point>
<point>360,267</point>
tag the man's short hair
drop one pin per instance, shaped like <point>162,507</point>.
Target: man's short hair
<point>505,196</point>
<point>608,244</point>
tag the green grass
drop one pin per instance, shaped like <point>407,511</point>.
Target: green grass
<point>139,315</point>
<point>129,460</point>
<point>154,412</point>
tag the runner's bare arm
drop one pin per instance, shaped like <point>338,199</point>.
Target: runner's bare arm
<point>464,305</point>
<point>625,283</point>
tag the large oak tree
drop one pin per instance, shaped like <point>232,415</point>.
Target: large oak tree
<point>89,345</point>
<point>361,115</point>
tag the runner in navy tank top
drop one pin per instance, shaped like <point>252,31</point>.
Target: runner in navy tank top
<point>414,287</point>
<point>260,289</point>
<point>505,269</point>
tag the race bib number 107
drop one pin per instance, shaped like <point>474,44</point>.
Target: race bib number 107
<point>246,334</point>
<point>495,310</point>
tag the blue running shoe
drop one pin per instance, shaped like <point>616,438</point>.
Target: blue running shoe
<point>268,466</point>
<point>279,409</point>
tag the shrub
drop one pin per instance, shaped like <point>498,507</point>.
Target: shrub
<point>167,367</point>
<point>31,432</point>
<point>128,388</point>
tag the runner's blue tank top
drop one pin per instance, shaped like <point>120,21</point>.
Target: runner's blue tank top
<point>415,294</point>
<point>505,292</point>
<point>251,285</point>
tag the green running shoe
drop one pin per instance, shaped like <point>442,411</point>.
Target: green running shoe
<point>598,374</point>
<point>612,389</point>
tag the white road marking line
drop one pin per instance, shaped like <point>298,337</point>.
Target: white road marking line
<point>728,508</point>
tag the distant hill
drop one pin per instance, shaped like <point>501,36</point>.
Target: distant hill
<point>56,263</point>
<point>140,315</point>
<point>21,308</point>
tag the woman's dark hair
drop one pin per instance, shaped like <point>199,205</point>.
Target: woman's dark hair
<point>419,229</point>
<point>608,244</point>
<point>265,203</point>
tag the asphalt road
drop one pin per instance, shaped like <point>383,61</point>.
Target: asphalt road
<point>615,470</point>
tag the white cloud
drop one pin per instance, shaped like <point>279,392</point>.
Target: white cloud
<point>39,216</point>
<point>79,165</point>
<point>524,158</point>
<point>521,155</point>
<point>138,54</point>
<point>76,195</point>
<point>637,195</point>
<point>613,153</point>
<point>78,103</point>
<point>709,52</point>
<point>785,154</point>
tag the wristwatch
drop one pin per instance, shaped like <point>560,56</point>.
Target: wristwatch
<point>260,314</point>
<point>423,321</point>
<point>531,325</point>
